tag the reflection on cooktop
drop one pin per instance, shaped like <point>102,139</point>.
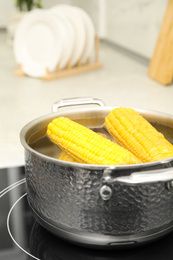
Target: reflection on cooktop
<point>45,246</point>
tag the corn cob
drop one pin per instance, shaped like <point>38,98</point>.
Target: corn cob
<point>137,135</point>
<point>64,156</point>
<point>87,146</point>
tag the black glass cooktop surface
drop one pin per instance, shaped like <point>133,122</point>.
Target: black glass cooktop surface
<point>22,238</point>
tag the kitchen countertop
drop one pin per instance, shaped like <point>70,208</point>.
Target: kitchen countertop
<point>123,81</point>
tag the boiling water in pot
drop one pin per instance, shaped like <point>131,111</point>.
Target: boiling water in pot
<point>41,143</point>
<point>166,131</point>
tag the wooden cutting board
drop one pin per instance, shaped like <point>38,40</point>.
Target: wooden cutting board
<point>161,65</point>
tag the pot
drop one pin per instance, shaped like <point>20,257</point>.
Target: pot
<point>97,205</point>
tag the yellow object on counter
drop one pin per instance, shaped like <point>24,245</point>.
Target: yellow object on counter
<point>87,146</point>
<point>161,64</point>
<point>136,134</point>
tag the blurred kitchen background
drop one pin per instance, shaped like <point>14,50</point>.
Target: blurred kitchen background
<point>133,24</point>
<point>128,32</point>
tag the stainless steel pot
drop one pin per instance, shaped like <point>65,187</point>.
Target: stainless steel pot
<point>95,205</point>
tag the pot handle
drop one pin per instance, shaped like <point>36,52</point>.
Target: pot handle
<point>76,101</point>
<point>135,178</point>
<point>159,175</point>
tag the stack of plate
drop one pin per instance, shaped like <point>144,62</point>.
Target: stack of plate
<point>57,37</point>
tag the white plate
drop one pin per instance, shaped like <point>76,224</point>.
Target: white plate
<point>38,43</point>
<point>79,31</point>
<point>68,37</point>
<point>90,34</point>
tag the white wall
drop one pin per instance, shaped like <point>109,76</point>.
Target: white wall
<point>133,24</point>
<point>6,8</point>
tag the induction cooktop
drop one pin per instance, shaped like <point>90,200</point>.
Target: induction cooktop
<point>22,238</point>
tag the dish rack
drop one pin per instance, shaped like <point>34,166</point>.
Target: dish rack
<point>70,70</point>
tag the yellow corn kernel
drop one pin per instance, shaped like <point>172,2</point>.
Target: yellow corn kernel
<point>64,156</point>
<point>137,135</point>
<point>86,145</point>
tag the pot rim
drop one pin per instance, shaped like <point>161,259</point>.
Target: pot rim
<point>52,115</point>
